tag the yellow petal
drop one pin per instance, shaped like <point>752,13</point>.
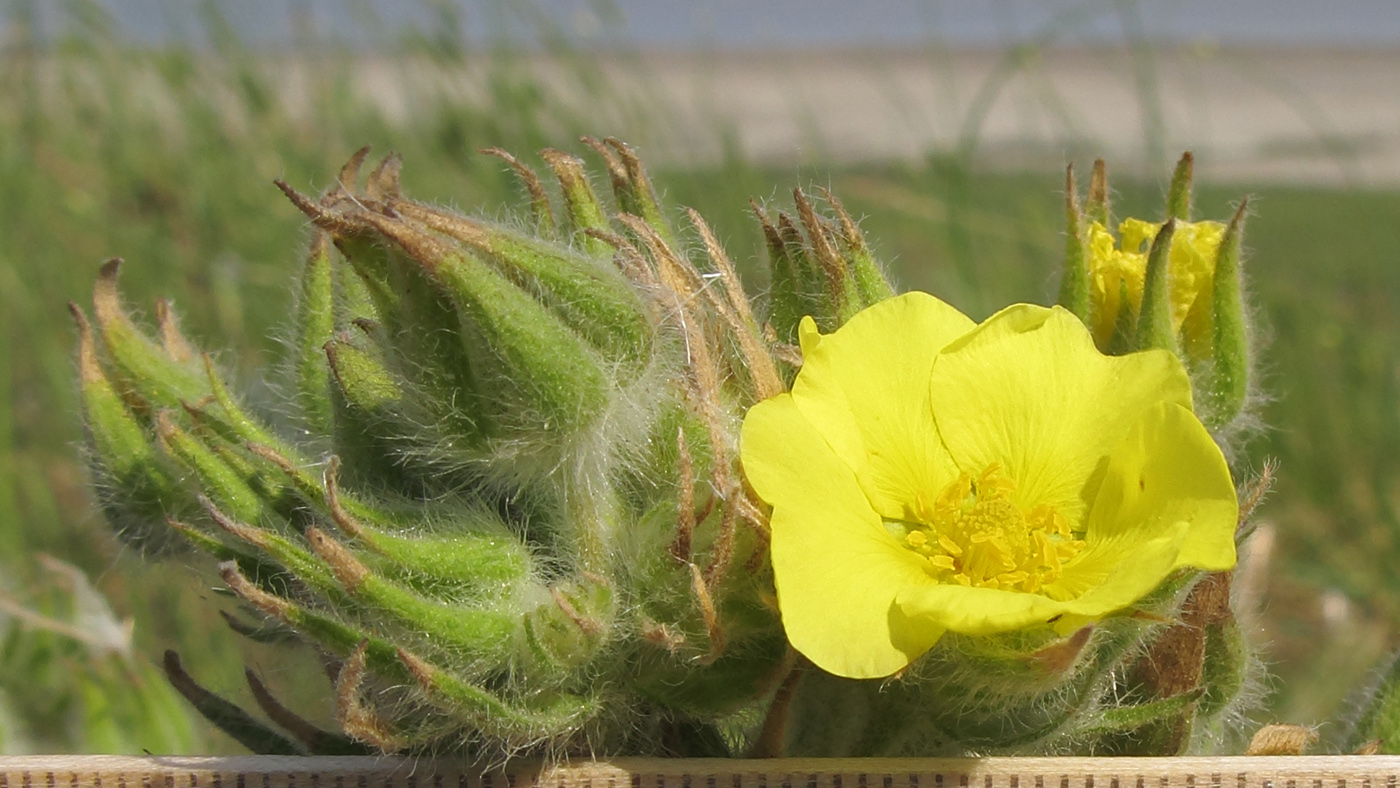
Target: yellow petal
<point>865,389</point>
<point>1166,502</point>
<point>1193,280</point>
<point>1166,472</point>
<point>836,568</point>
<point>1114,573</point>
<point>970,610</point>
<point>1028,390</point>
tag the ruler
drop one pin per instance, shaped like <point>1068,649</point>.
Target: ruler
<point>101,771</point>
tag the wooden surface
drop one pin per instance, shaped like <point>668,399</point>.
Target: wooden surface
<point>94,771</point>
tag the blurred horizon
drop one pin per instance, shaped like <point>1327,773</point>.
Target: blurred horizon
<point>1262,91</point>
<point>732,25</point>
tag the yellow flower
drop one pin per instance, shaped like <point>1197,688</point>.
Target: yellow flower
<point>928,475</point>
<point>1117,272</point>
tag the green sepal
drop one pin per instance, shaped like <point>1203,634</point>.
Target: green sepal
<point>524,722</point>
<point>711,690</point>
<point>138,361</point>
<point>540,375</point>
<point>799,287</point>
<point>591,298</point>
<point>1225,667</point>
<point>368,432</point>
<point>833,282</point>
<point>422,337</point>
<point>580,202</point>
<point>1074,279</point>
<point>1124,325</point>
<point>1229,381</point>
<point>1154,322</point>
<point>478,634</point>
<point>464,565</point>
<point>222,483</point>
<point>631,187</point>
<point>340,638</point>
<point>1179,193</point>
<point>1135,722</point>
<point>137,487</point>
<point>872,286</point>
<point>264,574</point>
<point>476,556</point>
<point>785,308</point>
<point>384,658</point>
<point>231,420</point>
<point>313,323</point>
<point>361,377</point>
<point>292,558</point>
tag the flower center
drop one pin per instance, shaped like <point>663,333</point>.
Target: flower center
<point>975,535</point>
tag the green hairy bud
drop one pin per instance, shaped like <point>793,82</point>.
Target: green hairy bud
<point>1175,285</point>
<point>514,513</point>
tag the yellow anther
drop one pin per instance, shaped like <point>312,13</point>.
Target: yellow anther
<point>977,536</point>
<point>942,562</point>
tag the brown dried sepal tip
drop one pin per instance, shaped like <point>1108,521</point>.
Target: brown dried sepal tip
<point>174,342</point>
<point>616,171</point>
<point>348,569</point>
<point>343,210</point>
<point>685,503</point>
<point>663,635</point>
<point>850,232</point>
<point>247,533</point>
<point>106,298</point>
<point>832,264</point>
<point>527,176</point>
<point>382,185</point>
<point>722,550</point>
<point>1071,192</point>
<point>89,368</point>
<point>270,605</point>
<point>422,672</point>
<point>273,456</point>
<point>1372,747</point>
<point>354,716</point>
<point>629,260</point>
<point>343,519</point>
<point>586,625</point>
<point>1096,203</point>
<point>631,162</point>
<point>419,246</point>
<point>713,629</point>
<point>1281,740</point>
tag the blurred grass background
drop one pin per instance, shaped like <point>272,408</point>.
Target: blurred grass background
<point>164,154</point>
